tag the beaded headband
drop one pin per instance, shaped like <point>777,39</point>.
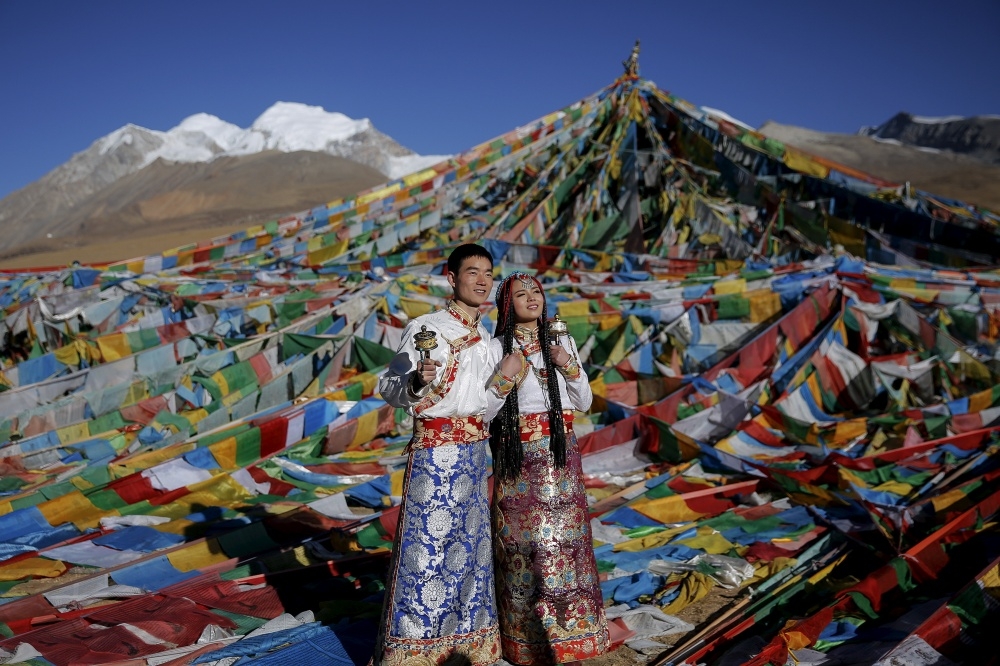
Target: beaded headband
<point>526,280</point>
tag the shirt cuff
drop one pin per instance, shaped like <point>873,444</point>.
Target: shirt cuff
<point>412,391</point>
<point>502,385</point>
<point>571,371</point>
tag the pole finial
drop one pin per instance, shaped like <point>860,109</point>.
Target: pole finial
<point>631,64</point>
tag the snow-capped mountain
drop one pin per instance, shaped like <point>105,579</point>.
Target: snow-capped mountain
<point>286,127</point>
<point>71,193</point>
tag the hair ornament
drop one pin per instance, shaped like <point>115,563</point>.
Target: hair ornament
<point>527,281</point>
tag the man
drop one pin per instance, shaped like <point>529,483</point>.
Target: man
<point>439,599</point>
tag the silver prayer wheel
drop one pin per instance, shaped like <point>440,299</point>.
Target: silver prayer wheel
<point>425,341</point>
<point>557,328</point>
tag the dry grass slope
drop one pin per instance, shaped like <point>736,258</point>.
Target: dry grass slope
<point>944,173</point>
<point>167,205</point>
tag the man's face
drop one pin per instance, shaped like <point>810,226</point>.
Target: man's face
<point>473,282</point>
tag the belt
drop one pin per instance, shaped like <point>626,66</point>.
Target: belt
<point>536,426</point>
<point>445,430</point>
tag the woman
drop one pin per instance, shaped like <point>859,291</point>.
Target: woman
<point>548,592</point>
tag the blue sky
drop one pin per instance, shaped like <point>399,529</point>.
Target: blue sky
<point>440,77</point>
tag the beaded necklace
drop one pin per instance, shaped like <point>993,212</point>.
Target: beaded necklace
<point>533,346</point>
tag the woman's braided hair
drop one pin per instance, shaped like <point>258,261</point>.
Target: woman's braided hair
<point>505,429</point>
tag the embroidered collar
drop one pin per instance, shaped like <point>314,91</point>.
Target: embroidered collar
<point>527,340</point>
<point>525,334</point>
<point>456,311</point>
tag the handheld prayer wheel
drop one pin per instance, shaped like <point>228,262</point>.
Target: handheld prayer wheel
<point>425,341</point>
<point>557,329</point>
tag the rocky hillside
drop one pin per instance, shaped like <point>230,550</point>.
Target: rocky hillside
<point>942,172</point>
<point>978,136</point>
<point>203,199</point>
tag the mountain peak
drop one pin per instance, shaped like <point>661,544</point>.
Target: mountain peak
<point>207,124</point>
<point>131,135</point>
<point>291,126</point>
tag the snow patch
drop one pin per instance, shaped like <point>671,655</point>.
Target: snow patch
<point>204,130</point>
<point>894,142</point>
<point>897,142</point>
<point>120,137</point>
<point>930,120</point>
<point>223,133</point>
<point>407,164</point>
<point>722,115</point>
<point>289,126</point>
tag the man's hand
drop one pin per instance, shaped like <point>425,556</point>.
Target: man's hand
<point>426,371</point>
<point>560,356</point>
<point>511,364</point>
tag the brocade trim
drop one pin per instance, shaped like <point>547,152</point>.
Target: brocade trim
<point>482,647</point>
<point>554,651</point>
<point>438,393</point>
<point>428,433</point>
<point>502,385</point>
<point>458,313</point>
<point>571,371</point>
<point>536,426</point>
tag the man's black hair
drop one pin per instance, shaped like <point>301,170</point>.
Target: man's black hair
<point>463,252</point>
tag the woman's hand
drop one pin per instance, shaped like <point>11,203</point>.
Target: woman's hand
<point>426,372</point>
<point>560,356</point>
<point>511,364</point>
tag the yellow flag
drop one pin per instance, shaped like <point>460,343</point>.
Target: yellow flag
<point>724,287</point>
<point>198,555</point>
<point>35,567</point>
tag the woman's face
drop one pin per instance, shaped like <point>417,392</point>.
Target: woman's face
<point>528,301</point>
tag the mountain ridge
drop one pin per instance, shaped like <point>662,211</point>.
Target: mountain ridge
<point>208,176</point>
<point>72,193</point>
<point>975,136</point>
<point>942,172</point>
<point>203,199</point>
